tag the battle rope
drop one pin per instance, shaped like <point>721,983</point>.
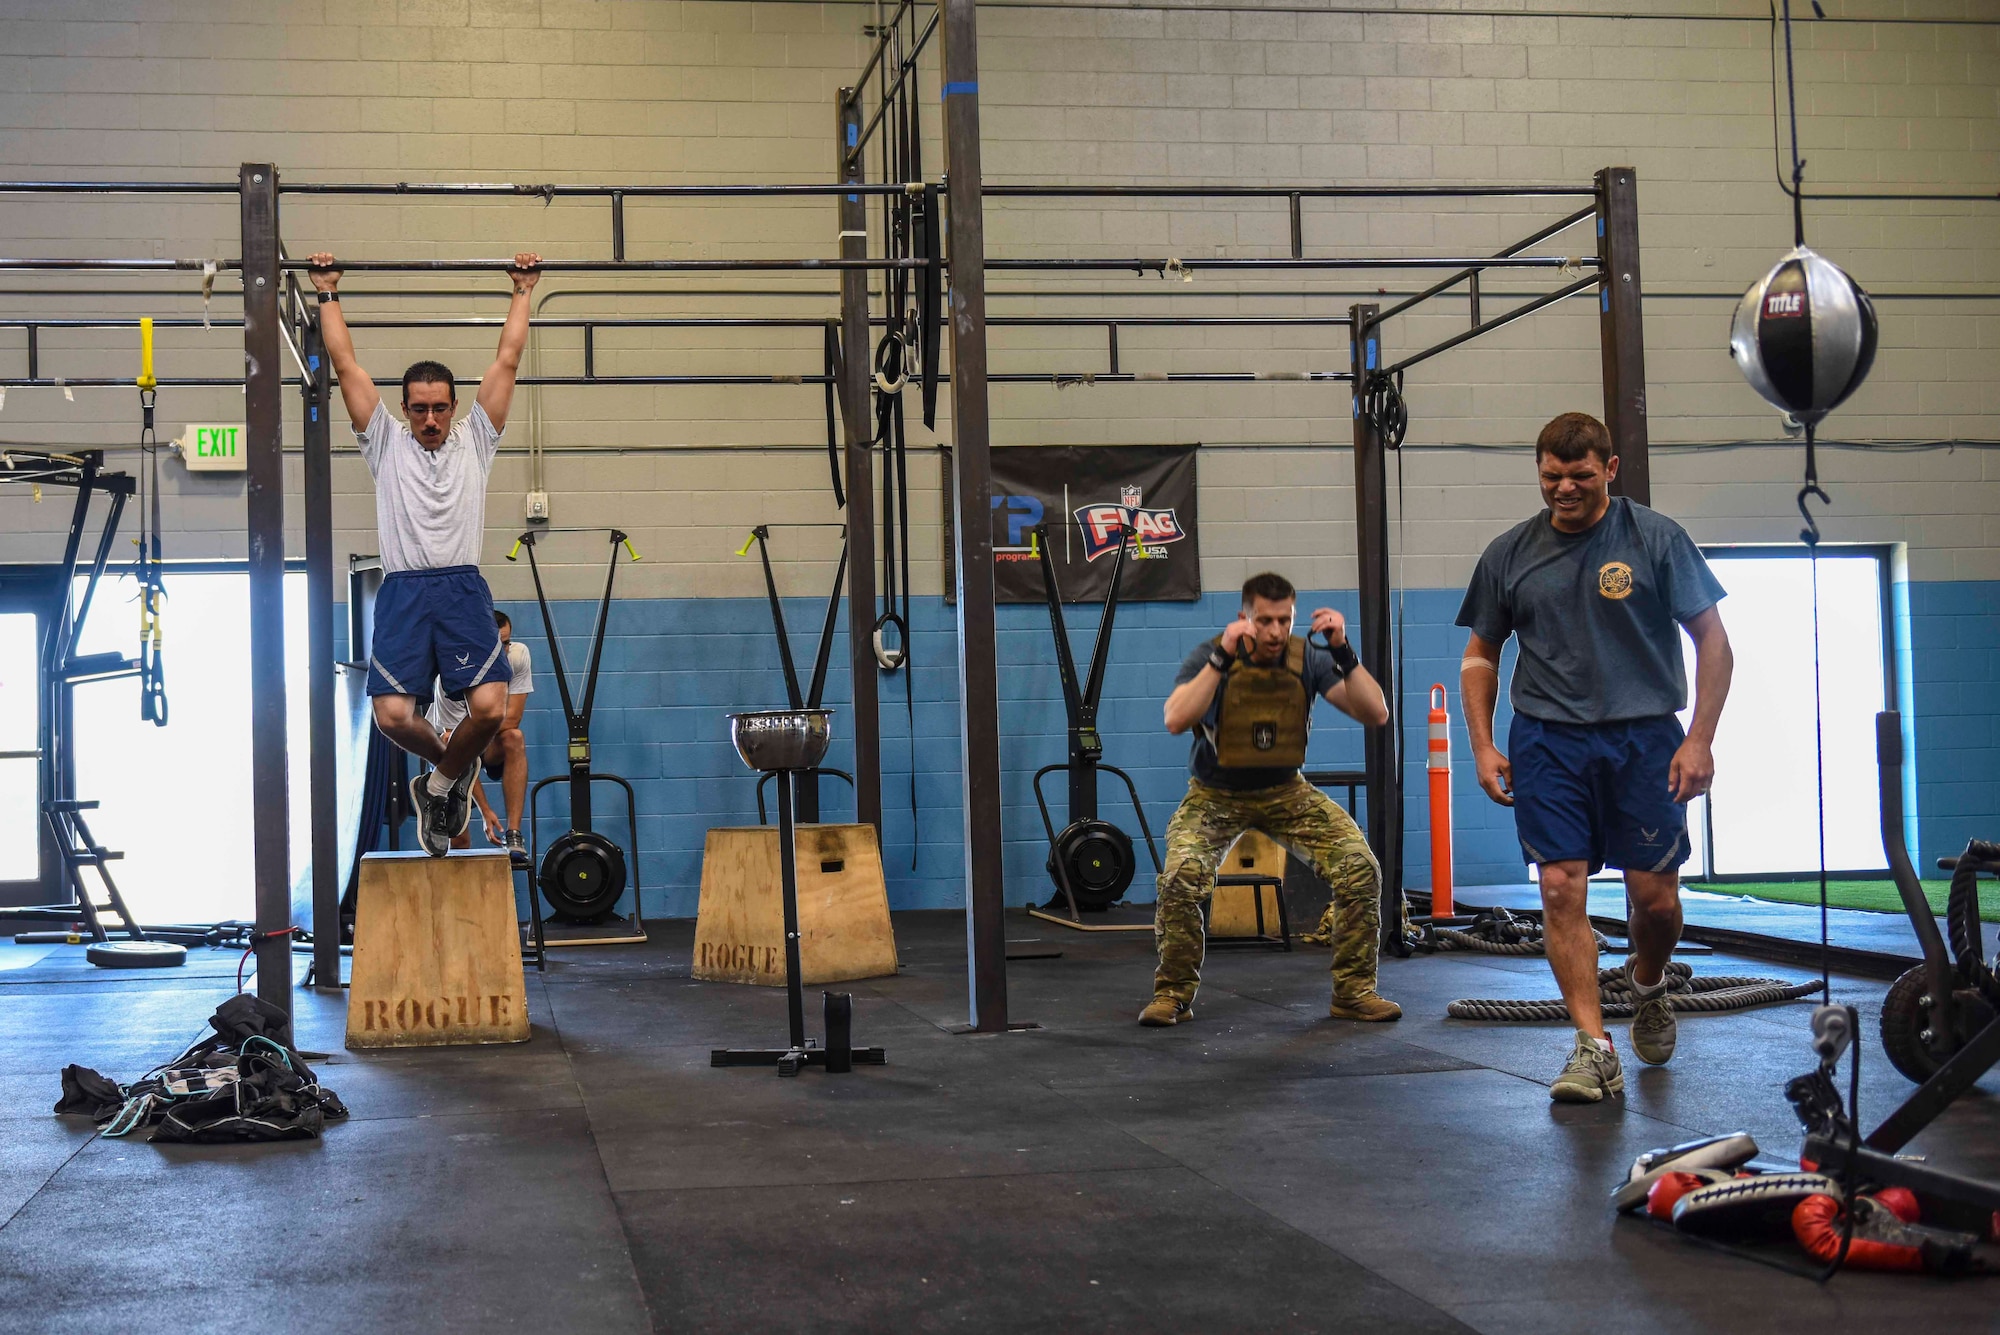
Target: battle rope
<point>1686,993</point>
<point>1498,932</point>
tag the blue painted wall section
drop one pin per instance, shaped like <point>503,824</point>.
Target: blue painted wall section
<point>673,668</point>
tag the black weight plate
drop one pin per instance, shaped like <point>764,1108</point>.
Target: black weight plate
<point>135,954</point>
<point>1097,857</point>
<point>582,876</point>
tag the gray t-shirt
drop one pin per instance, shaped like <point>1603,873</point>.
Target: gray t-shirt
<point>1598,613</point>
<point>430,505</point>
<point>446,713</point>
<point>1320,675</point>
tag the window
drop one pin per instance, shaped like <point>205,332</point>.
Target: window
<point>20,717</point>
<point>1762,813</point>
<point>176,800</point>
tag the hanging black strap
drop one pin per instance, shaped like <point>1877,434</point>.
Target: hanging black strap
<point>152,674</point>
<point>830,359</point>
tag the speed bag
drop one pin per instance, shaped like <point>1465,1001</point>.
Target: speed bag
<point>1804,336</point>
<point>1263,720</point>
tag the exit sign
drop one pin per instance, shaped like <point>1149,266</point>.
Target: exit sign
<point>218,448</point>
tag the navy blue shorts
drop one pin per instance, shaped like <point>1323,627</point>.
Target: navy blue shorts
<point>434,624</point>
<point>1597,793</point>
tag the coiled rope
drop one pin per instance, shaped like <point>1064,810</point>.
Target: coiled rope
<point>1685,992</point>
<point>1498,932</point>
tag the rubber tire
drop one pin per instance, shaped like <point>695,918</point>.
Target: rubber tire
<point>1903,1020</point>
<point>574,852</point>
<point>135,954</point>
<point>1097,855</point>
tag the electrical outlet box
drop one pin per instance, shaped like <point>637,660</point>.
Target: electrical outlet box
<point>538,507</point>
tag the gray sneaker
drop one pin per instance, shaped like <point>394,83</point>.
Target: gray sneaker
<point>432,832</point>
<point>1653,1026</point>
<point>458,803</point>
<point>1590,1073</point>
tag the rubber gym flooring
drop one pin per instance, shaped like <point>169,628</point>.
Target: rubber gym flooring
<point>1261,1169</point>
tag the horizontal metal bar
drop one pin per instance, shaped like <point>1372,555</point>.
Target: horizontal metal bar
<point>506,189</point>
<point>1283,191</point>
<point>1060,378</point>
<point>602,266</point>
<point>1588,211</point>
<point>118,187</point>
<point>1528,309</point>
<point>1329,262</point>
<point>108,265</point>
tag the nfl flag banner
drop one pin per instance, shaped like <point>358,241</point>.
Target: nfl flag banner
<point>1090,497</point>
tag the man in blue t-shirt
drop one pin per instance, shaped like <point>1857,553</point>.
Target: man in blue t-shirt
<point>1597,588</point>
<point>1247,697</point>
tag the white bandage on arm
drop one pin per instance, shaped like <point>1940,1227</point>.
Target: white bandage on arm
<point>1474,663</point>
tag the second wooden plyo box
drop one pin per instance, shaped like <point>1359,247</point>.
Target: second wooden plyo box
<point>844,930</point>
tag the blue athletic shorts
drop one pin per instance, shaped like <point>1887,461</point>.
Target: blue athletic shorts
<point>1597,793</point>
<point>434,624</point>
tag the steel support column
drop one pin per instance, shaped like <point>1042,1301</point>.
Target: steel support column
<point>978,685</point>
<point>1371,514</point>
<point>1621,330</point>
<point>326,887</point>
<point>856,357</point>
<point>264,425</point>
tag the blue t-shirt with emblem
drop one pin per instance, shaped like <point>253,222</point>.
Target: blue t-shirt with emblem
<point>1598,613</point>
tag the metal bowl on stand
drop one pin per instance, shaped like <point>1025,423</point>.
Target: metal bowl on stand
<point>774,740</point>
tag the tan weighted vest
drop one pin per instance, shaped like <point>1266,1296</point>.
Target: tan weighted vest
<point>1262,721</point>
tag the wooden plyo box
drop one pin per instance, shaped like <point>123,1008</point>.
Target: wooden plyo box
<point>1232,912</point>
<point>844,931</point>
<point>437,952</point>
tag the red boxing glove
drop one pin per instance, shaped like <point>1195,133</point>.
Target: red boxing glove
<point>1883,1239</point>
<point>1660,1197</point>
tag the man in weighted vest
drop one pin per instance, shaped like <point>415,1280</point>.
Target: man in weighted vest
<point>1247,696</point>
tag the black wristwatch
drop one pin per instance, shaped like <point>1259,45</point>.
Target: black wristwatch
<point>327,298</point>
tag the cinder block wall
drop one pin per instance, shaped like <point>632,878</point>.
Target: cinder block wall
<point>600,90</point>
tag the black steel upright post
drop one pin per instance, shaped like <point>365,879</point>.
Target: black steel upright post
<point>1622,331</point>
<point>978,670</point>
<point>855,359</point>
<point>788,881</point>
<point>317,393</point>
<point>1371,516</point>
<point>264,429</point>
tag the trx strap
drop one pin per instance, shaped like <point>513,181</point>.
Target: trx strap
<point>152,592</point>
<point>830,361</point>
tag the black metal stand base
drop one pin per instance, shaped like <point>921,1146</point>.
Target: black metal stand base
<point>839,1054</point>
<point>790,1061</point>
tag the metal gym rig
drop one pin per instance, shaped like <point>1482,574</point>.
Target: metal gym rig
<point>279,325</point>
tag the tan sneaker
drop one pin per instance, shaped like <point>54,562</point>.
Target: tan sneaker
<point>1590,1073</point>
<point>1372,1008</point>
<point>1164,1010</point>
<point>1653,1025</point>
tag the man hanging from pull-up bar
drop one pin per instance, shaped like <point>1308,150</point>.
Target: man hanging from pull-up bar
<point>434,614</point>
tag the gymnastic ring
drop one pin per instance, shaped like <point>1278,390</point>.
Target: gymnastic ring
<point>889,354</point>
<point>891,659</point>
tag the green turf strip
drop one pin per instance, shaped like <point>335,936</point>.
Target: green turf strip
<point>1868,896</point>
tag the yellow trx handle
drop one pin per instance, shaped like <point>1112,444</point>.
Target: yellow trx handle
<point>146,379</point>
<point>516,551</point>
<point>744,550</point>
<point>629,551</point>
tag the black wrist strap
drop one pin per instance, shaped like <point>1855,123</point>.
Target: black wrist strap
<point>328,298</point>
<point>1217,659</point>
<point>1344,658</point>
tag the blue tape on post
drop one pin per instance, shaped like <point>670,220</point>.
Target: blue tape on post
<point>313,361</point>
<point>853,135</point>
<point>1371,354</point>
<point>965,86</point>
<point>1600,227</point>
<point>1604,299</point>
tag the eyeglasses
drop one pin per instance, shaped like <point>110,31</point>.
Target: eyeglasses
<point>428,409</point>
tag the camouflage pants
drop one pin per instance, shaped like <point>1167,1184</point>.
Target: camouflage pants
<point>1306,822</point>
